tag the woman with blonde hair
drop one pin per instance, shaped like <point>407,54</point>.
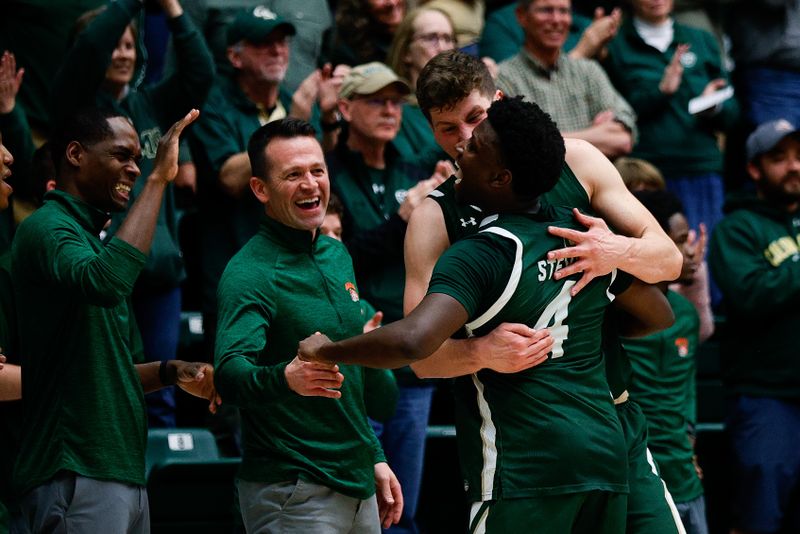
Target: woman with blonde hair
<point>423,33</point>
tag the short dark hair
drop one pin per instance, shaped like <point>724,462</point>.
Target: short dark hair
<point>531,146</point>
<point>281,129</point>
<point>335,206</point>
<point>88,126</point>
<point>662,204</point>
<point>450,77</point>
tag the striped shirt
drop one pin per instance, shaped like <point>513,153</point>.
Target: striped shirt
<point>573,92</point>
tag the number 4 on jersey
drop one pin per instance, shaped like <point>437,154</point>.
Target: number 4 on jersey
<point>557,312</point>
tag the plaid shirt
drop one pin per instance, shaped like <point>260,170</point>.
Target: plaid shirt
<point>573,92</point>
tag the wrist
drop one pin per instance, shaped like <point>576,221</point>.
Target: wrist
<point>476,354</point>
<point>168,372</point>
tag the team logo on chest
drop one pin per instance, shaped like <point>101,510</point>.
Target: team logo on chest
<point>352,290</point>
<point>682,344</point>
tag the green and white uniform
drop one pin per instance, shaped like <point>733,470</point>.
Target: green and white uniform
<point>664,386</point>
<point>550,430</point>
<point>650,507</point>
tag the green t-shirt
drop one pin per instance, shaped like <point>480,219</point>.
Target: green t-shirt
<point>280,288</point>
<point>84,405</point>
<point>664,386</point>
<point>551,429</point>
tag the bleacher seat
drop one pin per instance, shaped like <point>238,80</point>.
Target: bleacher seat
<point>190,487</point>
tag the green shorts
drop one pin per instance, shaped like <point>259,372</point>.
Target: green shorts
<point>650,506</point>
<point>592,512</point>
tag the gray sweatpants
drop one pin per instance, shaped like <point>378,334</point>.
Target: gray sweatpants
<point>77,504</point>
<point>301,506</point>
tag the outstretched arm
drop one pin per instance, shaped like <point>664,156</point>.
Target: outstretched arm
<point>397,344</point>
<point>509,348</point>
<point>640,247</point>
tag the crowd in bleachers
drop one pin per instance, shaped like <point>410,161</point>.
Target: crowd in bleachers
<point>697,105</point>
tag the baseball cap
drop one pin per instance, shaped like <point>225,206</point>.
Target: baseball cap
<point>370,78</point>
<point>767,136</point>
<point>255,24</point>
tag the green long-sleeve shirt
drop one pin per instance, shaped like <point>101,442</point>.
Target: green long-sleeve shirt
<point>678,143</point>
<point>753,255</point>
<point>152,110</point>
<point>664,386</point>
<point>84,406</point>
<point>280,288</point>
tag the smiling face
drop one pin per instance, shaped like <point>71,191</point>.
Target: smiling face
<point>107,169</point>
<point>123,61</point>
<point>454,125</point>
<point>6,160</point>
<point>546,24</point>
<point>297,190</point>
<point>266,61</point>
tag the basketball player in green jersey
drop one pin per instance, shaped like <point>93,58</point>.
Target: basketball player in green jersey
<point>454,90</point>
<point>542,447</point>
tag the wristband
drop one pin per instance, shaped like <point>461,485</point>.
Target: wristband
<point>162,374</point>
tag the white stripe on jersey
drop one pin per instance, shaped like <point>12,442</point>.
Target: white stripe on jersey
<point>609,294</point>
<point>672,508</point>
<point>436,193</point>
<point>511,287</point>
<point>480,526</point>
<point>489,440</point>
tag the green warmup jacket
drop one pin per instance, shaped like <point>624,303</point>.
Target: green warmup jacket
<point>226,123</point>
<point>664,385</point>
<point>670,138</point>
<point>755,259</point>
<point>372,229</point>
<point>84,405</point>
<point>152,109</point>
<point>280,288</point>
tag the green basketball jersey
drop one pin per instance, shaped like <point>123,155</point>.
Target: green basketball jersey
<point>462,219</point>
<point>551,429</point>
<point>664,386</point>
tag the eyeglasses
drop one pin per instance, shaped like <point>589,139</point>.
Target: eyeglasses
<point>434,38</point>
<point>377,102</point>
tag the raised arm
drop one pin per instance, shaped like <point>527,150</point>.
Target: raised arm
<point>640,247</point>
<point>188,85</point>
